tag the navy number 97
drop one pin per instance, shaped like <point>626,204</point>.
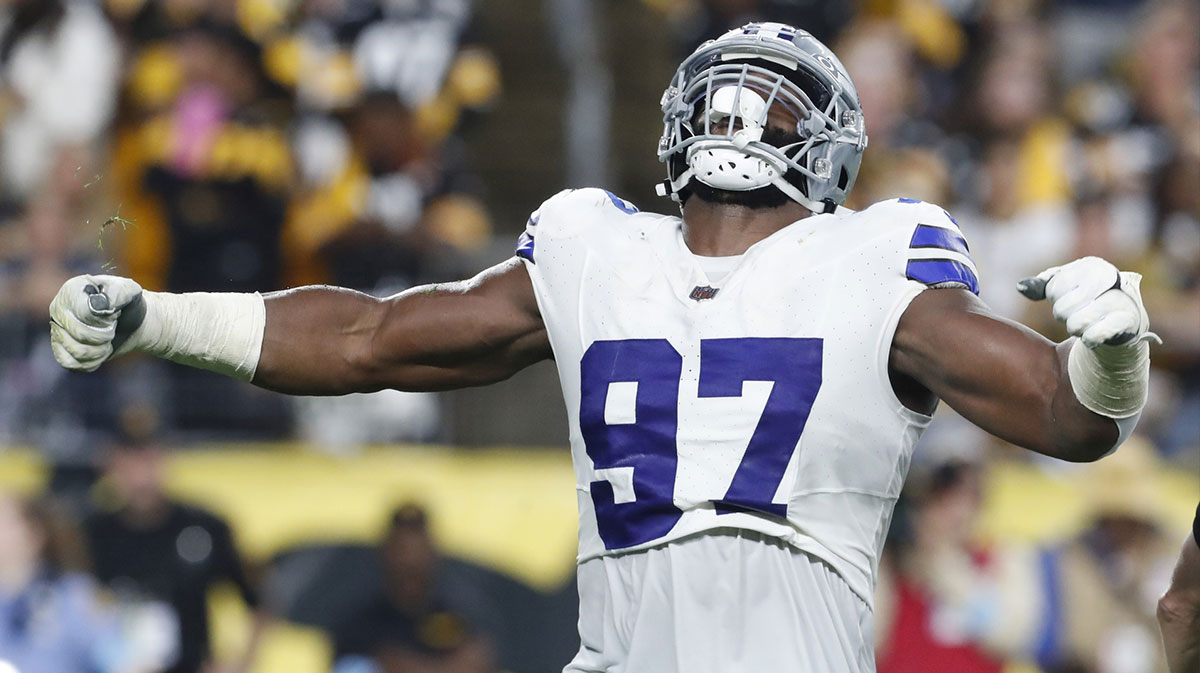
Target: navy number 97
<point>645,449</point>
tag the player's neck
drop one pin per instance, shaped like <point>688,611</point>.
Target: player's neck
<point>721,230</point>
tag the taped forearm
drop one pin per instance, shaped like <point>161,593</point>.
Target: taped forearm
<point>1112,381</point>
<point>220,332</point>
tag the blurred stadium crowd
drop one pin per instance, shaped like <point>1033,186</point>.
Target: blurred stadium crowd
<point>242,145</point>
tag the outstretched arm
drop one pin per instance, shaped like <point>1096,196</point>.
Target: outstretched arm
<point>1000,375</point>
<point>313,340</point>
<point>324,340</point>
<point>1075,400</point>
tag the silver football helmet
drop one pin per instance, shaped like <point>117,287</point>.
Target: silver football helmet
<point>715,112</point>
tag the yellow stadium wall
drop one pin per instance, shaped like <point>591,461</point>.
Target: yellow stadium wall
<point>512,509</point>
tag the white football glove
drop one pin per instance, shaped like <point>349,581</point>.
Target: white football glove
<point>86,328</point>
<point>1098,303</point>
<point>94,318</point>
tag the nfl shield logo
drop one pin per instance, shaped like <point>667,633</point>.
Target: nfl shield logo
<point>702,292</point>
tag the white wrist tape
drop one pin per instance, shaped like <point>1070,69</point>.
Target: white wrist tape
<point>1112,381</point>
<point>220,332</point>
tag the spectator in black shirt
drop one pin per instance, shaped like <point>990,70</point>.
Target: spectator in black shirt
<point>413,624</point>
<point>151,550</point>
<point>206,180</point>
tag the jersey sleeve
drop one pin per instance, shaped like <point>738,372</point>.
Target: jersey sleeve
<point>561,215</point>
<point>938,255</point>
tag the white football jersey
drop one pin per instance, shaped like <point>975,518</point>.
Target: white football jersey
<point>762,403</point>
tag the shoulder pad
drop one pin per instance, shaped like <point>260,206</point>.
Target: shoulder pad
<point>938,255</point>
<point>568,210</point>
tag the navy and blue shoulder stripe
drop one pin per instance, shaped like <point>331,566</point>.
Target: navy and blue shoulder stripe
<point>525,246</point>
<point>938,254</point>
<point>621,204</point>
<point>525,240</point>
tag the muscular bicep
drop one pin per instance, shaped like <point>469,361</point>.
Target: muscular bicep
<point>998,374</point>
<point>434,337</point>
<point>460,334</point>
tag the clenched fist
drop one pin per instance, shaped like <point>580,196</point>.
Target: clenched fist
<point>91,319</point>
<point>1098,303</point>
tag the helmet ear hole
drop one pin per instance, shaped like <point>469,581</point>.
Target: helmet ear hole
<point>843,179</point>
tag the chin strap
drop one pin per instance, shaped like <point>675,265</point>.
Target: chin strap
<point>794,193</point>
<point>672,188</point>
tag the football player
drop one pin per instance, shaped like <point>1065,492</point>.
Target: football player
<point>745,382</point>
<point>1179,608</point>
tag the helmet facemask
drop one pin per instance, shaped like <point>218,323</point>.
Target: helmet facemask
<point>717,135</point>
